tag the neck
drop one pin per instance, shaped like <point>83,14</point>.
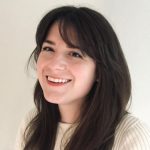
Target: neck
<point>69,114</point>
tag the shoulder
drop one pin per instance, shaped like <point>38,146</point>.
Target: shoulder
<point>132,134</point>
<point>19,144</point>
<point>27,118</point>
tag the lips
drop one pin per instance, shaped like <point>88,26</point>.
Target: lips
<point>57,81</point>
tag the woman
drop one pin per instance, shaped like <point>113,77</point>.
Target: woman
<point>82,89</point>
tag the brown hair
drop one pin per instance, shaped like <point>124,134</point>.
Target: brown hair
<point>106,103</point>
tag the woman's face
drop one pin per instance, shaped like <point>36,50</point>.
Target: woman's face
<point>65,74</point>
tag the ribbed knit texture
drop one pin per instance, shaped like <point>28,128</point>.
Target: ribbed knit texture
<point>131,134</point>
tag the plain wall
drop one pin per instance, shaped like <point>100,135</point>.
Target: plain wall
<point>18,22</point>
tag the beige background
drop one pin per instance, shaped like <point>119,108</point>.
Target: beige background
<point>18,21</point>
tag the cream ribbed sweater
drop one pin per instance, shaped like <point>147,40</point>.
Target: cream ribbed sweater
<point>131,134</point>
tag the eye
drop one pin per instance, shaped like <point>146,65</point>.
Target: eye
<point>46,48</point>
<point>76,54</point>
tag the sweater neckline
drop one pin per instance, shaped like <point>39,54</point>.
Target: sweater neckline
<point>65,125</point>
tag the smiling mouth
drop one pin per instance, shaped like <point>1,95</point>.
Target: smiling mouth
<point>57,81</point>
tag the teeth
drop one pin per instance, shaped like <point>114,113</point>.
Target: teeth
<point>57,80</point>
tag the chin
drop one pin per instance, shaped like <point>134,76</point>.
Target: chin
<point>52,100</point>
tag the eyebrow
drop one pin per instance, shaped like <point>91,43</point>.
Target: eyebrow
<point>53,43</point>
<point>50,42</point>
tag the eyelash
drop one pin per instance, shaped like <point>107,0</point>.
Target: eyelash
<point>47,49</point>
<point>76,54</point>
<point>73,53</point>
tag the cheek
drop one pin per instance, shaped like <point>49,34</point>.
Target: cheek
<point>41,60</point>
<point>84,81</point>
<point>84,74</point>
<point>39,67</point>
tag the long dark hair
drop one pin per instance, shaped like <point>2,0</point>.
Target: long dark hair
<point>107,100</point>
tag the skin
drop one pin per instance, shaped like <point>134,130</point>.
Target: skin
<point>56,62</point>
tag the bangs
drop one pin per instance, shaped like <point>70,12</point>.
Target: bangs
<point>76,30</point>
<point>70,31</point>
<point>76,33</point>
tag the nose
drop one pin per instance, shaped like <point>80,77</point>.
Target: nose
<point>58,63</point>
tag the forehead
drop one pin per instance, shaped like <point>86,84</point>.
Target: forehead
<point>53,32</point>
<point>66,32</point>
